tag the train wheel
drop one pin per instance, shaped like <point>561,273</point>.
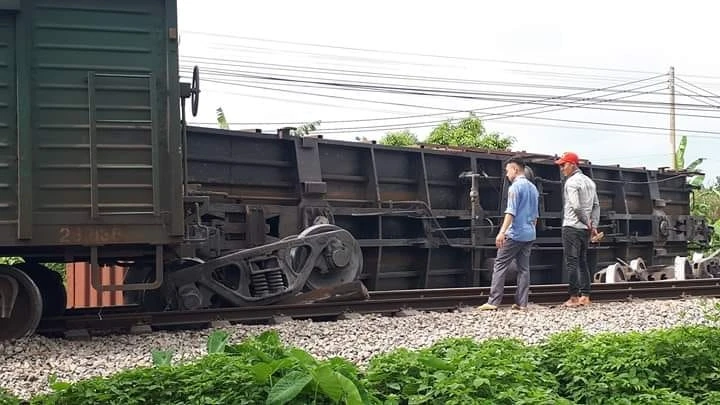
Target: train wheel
<point>27,311</point>
<point>340,262</point>
<point>50,283</point>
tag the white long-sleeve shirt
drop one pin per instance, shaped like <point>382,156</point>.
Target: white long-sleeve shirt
<point>580,201</point>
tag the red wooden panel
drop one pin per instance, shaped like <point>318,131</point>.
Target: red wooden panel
<point>81,293</point>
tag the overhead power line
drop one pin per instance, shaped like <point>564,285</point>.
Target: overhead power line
<point>519,102</point>
<point>444,57</point>
<point>588,105</point>
<point>375,86</point>
<point>698,87</point>
<point>210,63</point>
<point>468,95</point>
<point>205,34</point>
<point>336,97</point>
<point>345,60</point>
<point>708,134</point>
<point>436,122</point>
<point>694,94</point>
<point>539,100</point>
<point>433,123</point>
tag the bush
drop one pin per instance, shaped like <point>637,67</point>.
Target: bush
<point>399,138</point>
<point>258,370</point>
<point>593,369</point>
<point>674,366</point>
<point>461,371</point>
<point>7,398</point>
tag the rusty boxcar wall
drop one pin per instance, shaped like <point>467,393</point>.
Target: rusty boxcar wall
<point>411,210</point>
<point>80,292</point>
<point>90,124</point>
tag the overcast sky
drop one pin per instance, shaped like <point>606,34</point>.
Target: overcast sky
<point>501,52</point>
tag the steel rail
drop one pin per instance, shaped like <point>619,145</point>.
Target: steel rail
<point>379,302</point>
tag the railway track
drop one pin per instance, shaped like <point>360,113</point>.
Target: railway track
<point>95,321</point>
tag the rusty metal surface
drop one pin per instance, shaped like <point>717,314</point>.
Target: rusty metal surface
<point>81,293</point>
<point>354,290</point>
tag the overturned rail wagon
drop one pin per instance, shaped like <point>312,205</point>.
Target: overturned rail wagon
<point>412,210</point>
<point>97,165</point>
<point>92,119</point>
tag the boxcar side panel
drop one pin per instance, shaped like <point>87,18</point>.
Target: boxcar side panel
<point>8,121</point>
<point>94,83</point>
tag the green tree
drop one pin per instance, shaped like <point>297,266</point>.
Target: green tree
<point>301,131</point>
<point>705,201</point>
<point>222,121</point>
<point>696,180</point>
<point>306,128</point>
<point>399,138</point>
<point>56,267</point>
<point>469,132</point>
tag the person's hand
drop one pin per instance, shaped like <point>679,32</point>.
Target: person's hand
<point>500,239</point>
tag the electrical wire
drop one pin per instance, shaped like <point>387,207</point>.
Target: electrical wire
<point>363,86</point>
<point>266,66</point>
<point>713,95</point>
<point>345,59</point>
<point>530,124</point>
<point>612,124</point>
<point>586,105</point>
<point>444,57</point>
<point>493,96</point>
<point>514,103</point>
<point>695,98</point>
<point>431,123</point>
<point>296,101</point>
<point>679,176</point>
<point>490,96</point>
<point>337,97</point>
<point>476,110</point>
<point>588,101</point>
<point>455,93</point>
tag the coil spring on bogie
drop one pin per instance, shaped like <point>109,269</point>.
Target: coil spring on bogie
<point>268,282</point>
<point>275,280</point>
<point>260,284</point>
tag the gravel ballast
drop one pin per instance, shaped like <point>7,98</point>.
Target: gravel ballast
<point>25,365</point>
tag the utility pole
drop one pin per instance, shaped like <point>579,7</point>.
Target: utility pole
<point>672,118</point>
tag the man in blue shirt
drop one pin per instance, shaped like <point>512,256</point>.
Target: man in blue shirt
<point>516,236</point>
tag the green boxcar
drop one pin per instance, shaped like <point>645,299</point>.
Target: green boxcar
<point>90,146</point>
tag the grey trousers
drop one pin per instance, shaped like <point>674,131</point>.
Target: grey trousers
<point>520,253</point>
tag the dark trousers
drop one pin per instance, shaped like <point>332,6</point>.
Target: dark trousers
<point>575,247</point>
<point>520,253</point>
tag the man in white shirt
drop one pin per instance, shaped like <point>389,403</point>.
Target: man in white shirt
<point>581,214</point>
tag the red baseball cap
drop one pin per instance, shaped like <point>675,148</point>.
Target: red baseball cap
<point>568,157</point>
